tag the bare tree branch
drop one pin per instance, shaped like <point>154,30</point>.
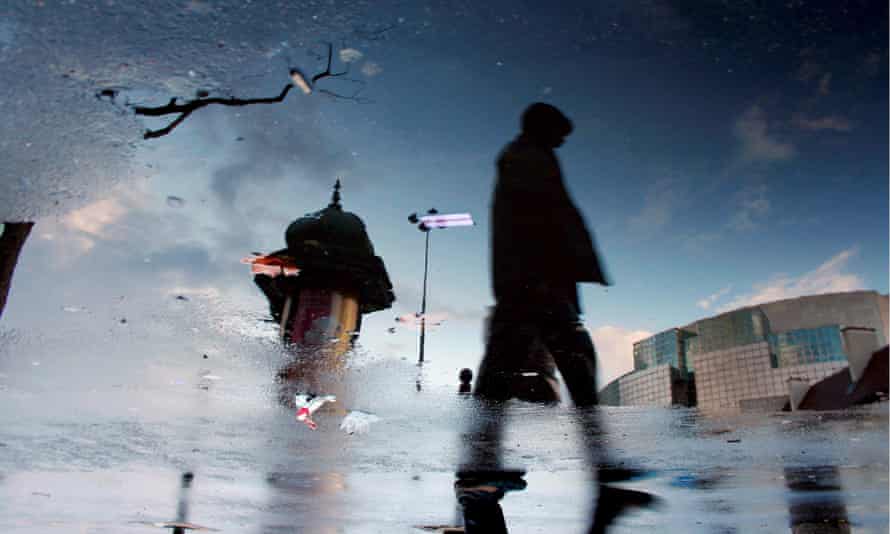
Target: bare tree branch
<point>353,97</point>
<point>190,106</point>
<point>327,72</point>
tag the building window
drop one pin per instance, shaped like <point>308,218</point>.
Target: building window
<point>806,346</point>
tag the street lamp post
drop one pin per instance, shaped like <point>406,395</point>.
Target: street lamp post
<point>426,263</point>
<point>425,223</point>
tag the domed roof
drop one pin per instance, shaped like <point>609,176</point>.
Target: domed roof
<point>332,249</point>
<point>330,229</point>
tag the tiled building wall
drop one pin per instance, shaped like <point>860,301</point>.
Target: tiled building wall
<point>726,377</point>
<point>610,395</point>
<point>650,387</point>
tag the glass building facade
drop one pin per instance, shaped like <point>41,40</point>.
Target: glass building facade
<point>734,329</point>
<point>689,346</point>
<point>743,359</point>
<point>662,348</point>
<point>808,345</point>
<point>678,347</point>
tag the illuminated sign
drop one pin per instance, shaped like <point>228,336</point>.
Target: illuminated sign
<point>444,221</point>
<point>271,265</point>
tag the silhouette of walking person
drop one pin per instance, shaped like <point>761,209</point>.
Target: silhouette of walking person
<point>541,250</point>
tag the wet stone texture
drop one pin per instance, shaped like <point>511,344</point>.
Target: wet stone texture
<point>254,468</point>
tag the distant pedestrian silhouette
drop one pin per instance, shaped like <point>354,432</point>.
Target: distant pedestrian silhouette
<point>466,377</point>
<point>541,250</point>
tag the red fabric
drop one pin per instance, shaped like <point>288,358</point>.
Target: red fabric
<point>304,415</point>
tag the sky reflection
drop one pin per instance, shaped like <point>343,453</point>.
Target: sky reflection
<point>703,133</point>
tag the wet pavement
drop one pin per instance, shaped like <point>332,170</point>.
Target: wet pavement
<point>107,463</point>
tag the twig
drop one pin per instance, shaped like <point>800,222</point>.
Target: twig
<point>354,96</point>
<point>189,107</point>
<point>327,72</point>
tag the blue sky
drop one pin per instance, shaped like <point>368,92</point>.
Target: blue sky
<point>722,156</point>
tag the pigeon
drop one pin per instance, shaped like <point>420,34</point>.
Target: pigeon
<point>358,422</point>
<point>307,404</point>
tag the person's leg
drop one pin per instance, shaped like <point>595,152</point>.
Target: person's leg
<point>509,341</point>
<point>575,356</point>
<point>479,500</point>
<point>508,338</point>
<point>481,477</point>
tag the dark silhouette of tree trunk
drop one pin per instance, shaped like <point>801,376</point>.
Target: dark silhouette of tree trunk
<point>11,242</point>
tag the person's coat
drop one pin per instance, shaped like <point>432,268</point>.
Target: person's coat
<point>539,238</point>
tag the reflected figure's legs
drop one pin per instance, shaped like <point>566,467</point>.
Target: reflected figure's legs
<point>482,480</point>
<point>481,442</point>
<point>508,343</point>
<point>575,356</point>
<point>815,500</point>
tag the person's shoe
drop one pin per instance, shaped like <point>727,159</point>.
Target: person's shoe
<point>486,486</point>
<point>612,502</point>
<point>611,473</point>
<point>484,518</point>
<point>479,494</point>
<point>490,474</point>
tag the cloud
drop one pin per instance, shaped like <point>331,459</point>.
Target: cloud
<point>836,123</point>
<point>80,230</point>
<point>371,69</point>
<point>825,84</point>
<point>752,206</point>
<point>708,301</point>
<point>95,218</point>
<point>757,144</point>
<point>350,55</point>
<point>408,297</point>
<point>659,204</point>
<point>274,141</point>
<point>830,277</point>
<point>191,258</point>
<point>614,348</point>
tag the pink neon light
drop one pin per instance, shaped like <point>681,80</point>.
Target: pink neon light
<point>271,266</point>
<point>444,221</point>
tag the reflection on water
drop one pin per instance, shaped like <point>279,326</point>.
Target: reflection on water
<point>308,502</point>
<point>261,471</point>
<point>816,500</point>
<point>182,507</point>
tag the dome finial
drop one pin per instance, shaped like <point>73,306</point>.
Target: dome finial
<point>335,199</point>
